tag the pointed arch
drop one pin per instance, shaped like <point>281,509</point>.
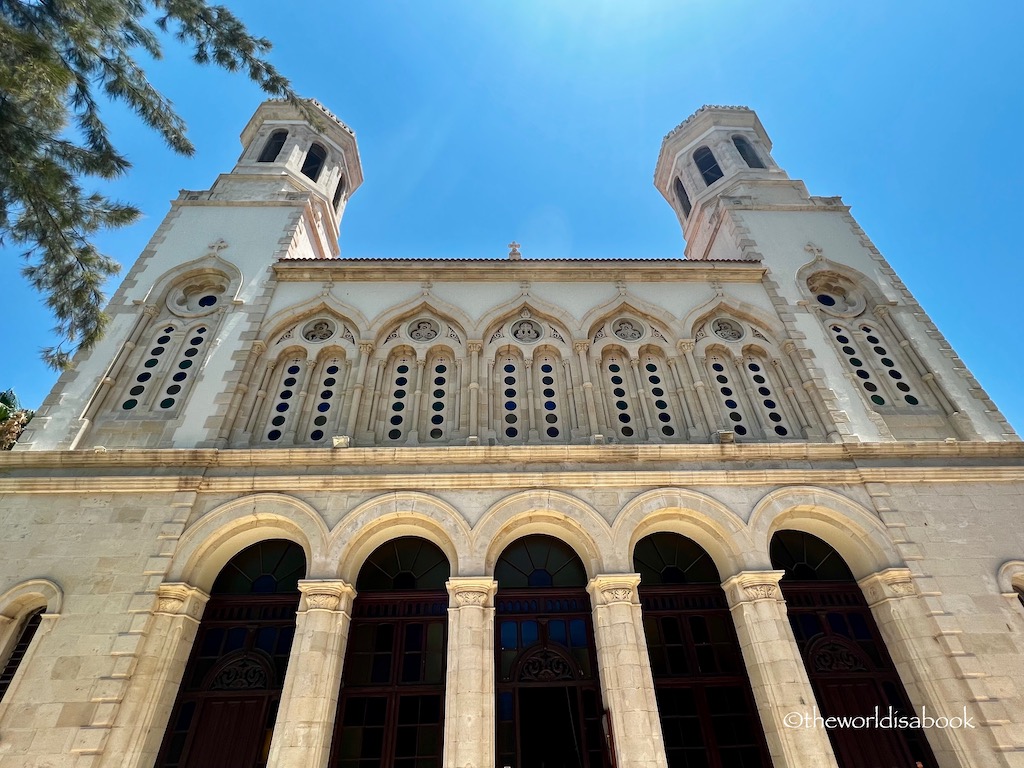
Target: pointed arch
<point>210,263</point>
<point>280,321</point>
<point>850,528</point>
<point>389,516</point>
<point>497,316</point>
<point>728,305</point>
<point>383,323</point>
<point>697,516</point>
<point>211,541</point>
<point>543,511</point>
<point>628,304</point>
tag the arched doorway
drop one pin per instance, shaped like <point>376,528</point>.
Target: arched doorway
<point>706,706</point>
<point>391,705</point>
<point>226,707</point>
<point>549,711</point>
<point>846,659</point>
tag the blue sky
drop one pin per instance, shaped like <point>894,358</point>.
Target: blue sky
<point>540,120</point>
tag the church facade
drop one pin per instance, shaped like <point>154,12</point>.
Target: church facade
<point>303,510</point>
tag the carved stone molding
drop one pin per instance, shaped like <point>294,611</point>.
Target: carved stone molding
<point>326,595</point>
<point>614,588</point>
<point>180,599</point>
<point>472,591</point>
<point>750,586</point>
<point>892,583</point>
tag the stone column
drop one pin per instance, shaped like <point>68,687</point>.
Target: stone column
<point>241,390</point>
<point>309,701</point>
<point>627,686</point>
<point>357,384</point>
<point>469,706</point>
<point>923,662</point>
<point>141,719</point>
<point>110,381</point>
<point>817,400</point>
<point>686,347</point>
<point>474,347</point>
<point>582,348</point>
<point>643,395</point>
<point>777,674</point>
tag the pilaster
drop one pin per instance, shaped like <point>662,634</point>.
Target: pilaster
<point>929,678</point>
<point>141,719</point>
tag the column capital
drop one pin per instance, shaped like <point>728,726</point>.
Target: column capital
<point>471,590</point>
<point>475,346</point>
<point>892,583</point>
<point>366,348</point>
<point>581,346</point>
<point>176,598</point>
<point>614,588</point>
<point>750,586</point>
<point>326,595</point>
<point>685,345</point>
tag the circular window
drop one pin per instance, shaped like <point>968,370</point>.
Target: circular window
<point>727,329</point>
<point>318,330</point>
<point>628,329</point>
<point>198,295</point>
<point>525,330</point>
<point>423,330</point>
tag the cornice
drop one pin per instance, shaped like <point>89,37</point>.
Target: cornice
<point>940,453</point>
<point>350,469</point>
<point>502,270</point>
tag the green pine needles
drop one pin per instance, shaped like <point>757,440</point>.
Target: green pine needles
<point>56,58</point>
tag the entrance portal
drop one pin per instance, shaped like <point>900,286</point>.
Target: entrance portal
<point>549,726</point>
<point>549,699</point>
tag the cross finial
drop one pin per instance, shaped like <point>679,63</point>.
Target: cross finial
<point>513,251</point>
<point>218,245</point>
<point>814,250</point>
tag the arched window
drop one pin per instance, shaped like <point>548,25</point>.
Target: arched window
<point>682,197</point>
<point>549,701</point>
<point>846,659</point>
<point>699,677</point>
<point>767,397</point>
<point>655,375</point>
<point>510,397</point>
<point>273,146</point>
<point>284,401</point>
<point>876,364</point>
<point>621,403</point>
<point>440,415</point>
<point>314,162</point>
<point>326,404</point>
<point>225,711</point>
<point>391,704</point>
<point>550,390</point>
<point>747,152</point>
<point>726,384</point>
<point>163,375</point>
<point>399,378</point>
<point>707,165</point>
<point>338,192</point>
<point>27,631</point>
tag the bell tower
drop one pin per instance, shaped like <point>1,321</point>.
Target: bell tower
<point>182,322</point>
<point>716,152</point>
